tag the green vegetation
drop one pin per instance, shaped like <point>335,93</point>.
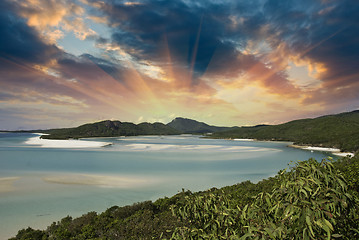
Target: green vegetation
<point>338,131</point>
<point>312,200</point>
<point>110,129</point>
<point>185,125</point>
<point>116,128</point>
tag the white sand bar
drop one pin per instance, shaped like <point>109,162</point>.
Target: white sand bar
<point>334,151</point>
<point>147,147</point>
<point>72,143</point>
<point>99,180</point>
<point>6,184</point>
<point>243,139</point>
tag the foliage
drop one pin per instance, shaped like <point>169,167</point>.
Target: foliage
<point>30,234</point>
<point>313,200</point>
<point>191,126</point>
<point>339,131</point>
<point>349,166</point>
<point>110,129</point>
<point>309,202</point>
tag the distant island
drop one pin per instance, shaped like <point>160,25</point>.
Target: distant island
<point>339,131</point>
<point>110,128</point>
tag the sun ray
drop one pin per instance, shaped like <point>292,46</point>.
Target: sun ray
<point>309,49</point>
<point>195,50</point>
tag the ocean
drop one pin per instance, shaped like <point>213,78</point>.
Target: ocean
<point>43,181</point>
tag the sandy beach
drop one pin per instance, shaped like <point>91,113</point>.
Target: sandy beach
<point>71,143</point>
<point>334,151</point>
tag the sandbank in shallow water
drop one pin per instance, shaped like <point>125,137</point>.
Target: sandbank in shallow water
<point>7,184</point>
<point>71,143</point>
<point>100,180</point>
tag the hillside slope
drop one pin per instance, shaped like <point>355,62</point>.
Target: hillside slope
<point>110,129</point>
<point>339,131</point>
<point>186,125</point>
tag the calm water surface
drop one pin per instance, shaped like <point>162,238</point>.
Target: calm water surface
<point>40,185</point>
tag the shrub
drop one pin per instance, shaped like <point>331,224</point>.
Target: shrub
<point>311,201</point>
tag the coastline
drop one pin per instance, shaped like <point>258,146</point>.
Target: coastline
<point>334,151</point>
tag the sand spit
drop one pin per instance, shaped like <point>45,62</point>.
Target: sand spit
<point>334,151</point>
<point>72,143</point>
<point>243,139</point>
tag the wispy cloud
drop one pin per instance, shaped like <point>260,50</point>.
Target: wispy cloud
<point>223,62</point>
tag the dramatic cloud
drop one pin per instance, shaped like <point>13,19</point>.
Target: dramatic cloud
<point>19,41</point>
<point>325,35</point>
<point>223,62</point>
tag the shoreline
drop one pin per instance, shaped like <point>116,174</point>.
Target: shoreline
<point>334,151</point>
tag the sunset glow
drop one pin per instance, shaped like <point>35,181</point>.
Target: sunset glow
<point>230,63</point>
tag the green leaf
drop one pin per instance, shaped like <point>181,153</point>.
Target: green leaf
<point>328,224</point>
<point>307,219</point>
<point>303,191</point>
<point>245,236</point>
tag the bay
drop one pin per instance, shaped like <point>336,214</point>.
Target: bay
<point>39,184</point>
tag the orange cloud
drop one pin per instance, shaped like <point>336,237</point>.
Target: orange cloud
<point>52,17</point>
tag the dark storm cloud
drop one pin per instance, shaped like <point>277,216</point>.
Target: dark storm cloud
<point>88,67</point>
<point>18,41</point>
<point>193,33</point>
<point>23,54</point>
<point>21,47</point>
<point>199,34</point>
<point>203,38</point>
<point>324,32</point>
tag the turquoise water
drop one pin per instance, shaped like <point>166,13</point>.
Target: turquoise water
<point>41,185</point>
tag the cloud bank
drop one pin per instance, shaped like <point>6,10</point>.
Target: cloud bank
<point>66,62</point>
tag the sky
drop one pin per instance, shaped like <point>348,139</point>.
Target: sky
<point>64,63</point>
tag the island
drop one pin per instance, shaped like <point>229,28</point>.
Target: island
<point>339,131</point>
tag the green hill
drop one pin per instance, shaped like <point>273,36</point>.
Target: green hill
<point>339,131</point>
<point>110,129</point>
<point>186,125</point>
